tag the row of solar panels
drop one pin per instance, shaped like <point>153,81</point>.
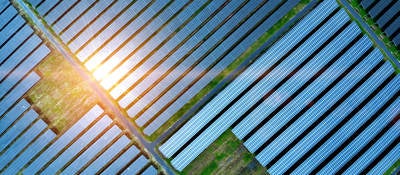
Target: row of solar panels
<point>387,16</point>
<point>27,145</point>
<point>320,99</point>
<point>154,56</point>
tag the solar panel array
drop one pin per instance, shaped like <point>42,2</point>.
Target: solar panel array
<point>22,134</point>
<point>154,56</point>
<point>321,99</point>
<point>94,144</point>
<point>387,15</point>
<point>21,50</point>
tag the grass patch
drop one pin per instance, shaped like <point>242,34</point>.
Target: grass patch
<point>393,168</point>
<point>259,42</point>
<point>247,157</point>
<point>377,30</point>
<point>61,95</point>
<point>226,155</point>
<point>209,169</point>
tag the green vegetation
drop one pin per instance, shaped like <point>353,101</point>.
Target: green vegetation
<point>378,31</point>
<point>229,69</point>
<point>226,155</point>
<point>61,96</point>
<point>393,168</point>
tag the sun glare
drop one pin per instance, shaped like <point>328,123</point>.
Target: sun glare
<point>109,78</point>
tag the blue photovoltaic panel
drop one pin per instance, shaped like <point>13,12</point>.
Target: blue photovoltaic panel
<point>26,66</point>
<point>387,161</point>
<point>136,165</point>
<point>317,110</point>
<point>73,149</point>
<point>349,128</point>
<point>150,170</point>
<point>373,151</point>
<point>21,142</point>
<point>385,14</point>
<point>13,114</point>
<point>74,13</point>
<point>378,8</point>
<point>44,7</point>
<point>13,27</point>
<point>58,11</point>
<point>95,46</point>
<point>99,40</point>
<point>19,56</point>
<point>7,15</point>
<point>389,14</point>
<point>28,145</point>
<point>274,101</point>
<point>396,40</point>
<point>366,3</point>
<point>65,139</point>
<point>31,151</point>
<point>10,44</point>
<point>92,150</point>
<point>11,134</point>
<point>355,146</point>
<point>356,74</point>
<point>4,4</point>
<point>98,23</point>
<point>107,155</point>
<point>155,57</point>
<point>295,106</point>
<point>122,160</point>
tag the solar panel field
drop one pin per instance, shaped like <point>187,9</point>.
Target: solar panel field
<point>78,149</point>
<point>316,91</point>
<point>21,51</point>
<point>152,59</point>
<point>95,143</point>
<point>199,87</point>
